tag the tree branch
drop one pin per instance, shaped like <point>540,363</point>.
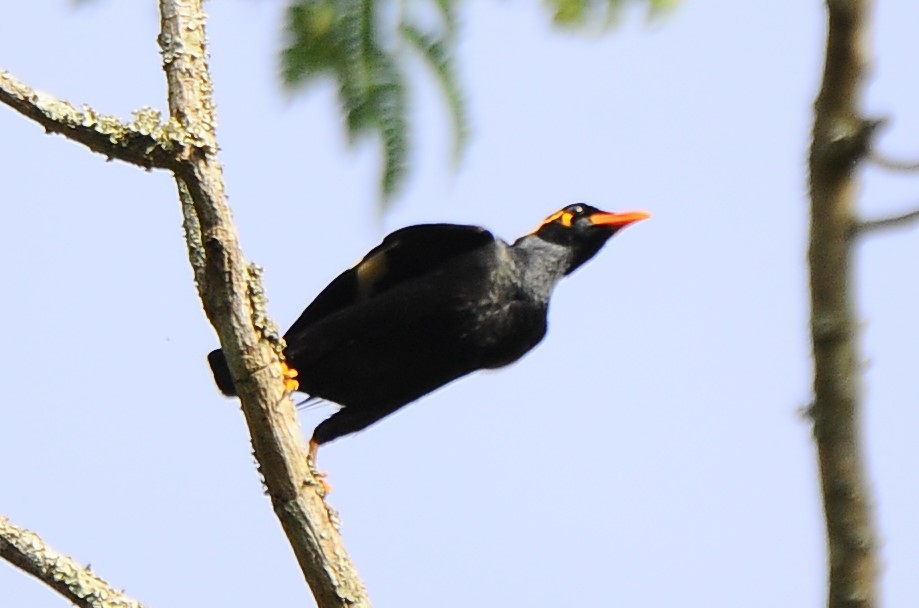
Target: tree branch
<point>27,551</point>
<point>144,141</point>
<point>891,164</point>
<point>229,287</point>
<point>840,142</point>
<point>894,221</point>
<point>234,302</point>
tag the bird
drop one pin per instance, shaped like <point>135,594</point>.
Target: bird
<point>428,305</point>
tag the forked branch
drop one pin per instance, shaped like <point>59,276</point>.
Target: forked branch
<point>144,141</point>
<point>234,302</point>
<point>891,164</point>
<point>229,286</point>
<point>884,223</point>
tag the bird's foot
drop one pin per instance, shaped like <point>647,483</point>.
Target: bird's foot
<point>319,476</point>
<point>290,377</point>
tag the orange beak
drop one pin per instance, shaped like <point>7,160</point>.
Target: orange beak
<point>618,220</point>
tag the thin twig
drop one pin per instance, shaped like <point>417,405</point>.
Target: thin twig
<point>27,551</point>
<point>894,221</point>
<point>841,139</point>
<point>234,301</point>
<point>886,162</point>
<point>144,141</point>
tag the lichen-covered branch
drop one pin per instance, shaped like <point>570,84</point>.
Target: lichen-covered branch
<point>27,551</point>
<point>841,138</point>
<point>228,285</point>
<point>144,141</point>
<point>234,302</point>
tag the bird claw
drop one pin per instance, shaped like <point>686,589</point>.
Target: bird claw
<point>319,477</point>
<point>320,481</point>
<point>289,374</point>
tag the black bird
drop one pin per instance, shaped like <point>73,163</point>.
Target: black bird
<point>428,305</point>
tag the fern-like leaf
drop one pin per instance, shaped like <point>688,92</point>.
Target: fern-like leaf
<point>588,13</point>
<point>436,53</point>
<point>350,41</point>
<point>372,91</point>
<point>339,38</point>
<point>312,41</point>
<point>448,17</point>
<point>388,99</point>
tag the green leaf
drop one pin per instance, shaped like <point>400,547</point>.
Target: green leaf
<point>436,53</point>
<point>448,17</point>
<point>339,38</point>
<point>313,47</point>
<point>377,104</point>
<point>602,13</point>
<point>662,6</point>
<point>387,98</point>
<point>361,44</point>
<point>568,12</point>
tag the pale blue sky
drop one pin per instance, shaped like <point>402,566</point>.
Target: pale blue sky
<point>648,453</point>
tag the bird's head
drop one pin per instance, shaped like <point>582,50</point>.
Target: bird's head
<point>583,230</point>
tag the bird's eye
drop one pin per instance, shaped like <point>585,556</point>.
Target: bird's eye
<point>577,209</point>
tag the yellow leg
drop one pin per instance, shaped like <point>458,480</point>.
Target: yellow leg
<point>290,375</point>
<point>319,475</point>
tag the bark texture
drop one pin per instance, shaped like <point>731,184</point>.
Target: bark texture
<point>235,303</point>
<point>230,289</point>
<point>841,138</point>
<point>27,551</point>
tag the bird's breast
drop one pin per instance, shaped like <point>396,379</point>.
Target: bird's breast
<point>503,324</point>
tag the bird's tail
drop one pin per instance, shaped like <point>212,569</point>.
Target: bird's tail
<point>221,372</point>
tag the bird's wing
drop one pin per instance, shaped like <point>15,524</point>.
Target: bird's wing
<point>403,255</point>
